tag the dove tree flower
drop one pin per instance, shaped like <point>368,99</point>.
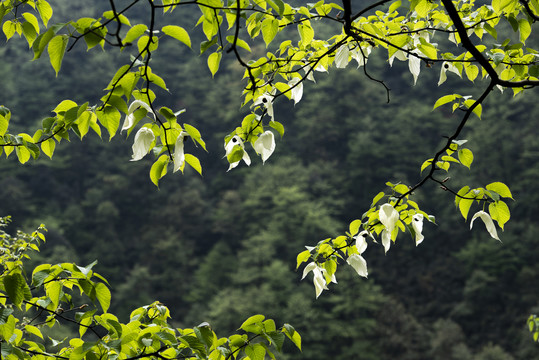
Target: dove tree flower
<point>266,100</point>
<point>388,217</point>
<point>296,93</point>
<point>356,261</point>
<point>179,155</point>
<point>489,224</point>
<point>417,225</point>
<point>265,145</point>
<point>447,66</point>
<point>143,141</point>
<point>341,56</point>
<point>361,55</point>
<point>129,121</point>
<point>319,279</point>
<point>229,149</point>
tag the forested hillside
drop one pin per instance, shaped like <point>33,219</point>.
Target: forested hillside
<point>222,246</point>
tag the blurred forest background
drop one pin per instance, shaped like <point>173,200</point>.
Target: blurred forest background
<point>222,247</point>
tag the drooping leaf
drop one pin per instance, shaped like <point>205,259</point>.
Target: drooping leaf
<point>178,33</point>
<point>56,49</point>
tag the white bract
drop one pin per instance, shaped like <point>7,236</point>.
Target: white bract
<point>265,145</point>
<point>143,140</point>
<point>447,66</point>
<point>319,280</point>
<point>361,242</point>
<point>414,64</point>
<point>266,100</point>
<point>388,216</point>
<point>229,147</point>
<point>361,55</point>
<point>341,56</point>
<point>356,261</point>
<point>489,224</point>
<point>179,156</point>
<point>417,225</point>
<point>130,118</point>
<point>297,89</point>
<point>400,55</point>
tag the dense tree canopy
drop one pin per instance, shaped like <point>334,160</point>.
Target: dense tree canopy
<point>281,48</point>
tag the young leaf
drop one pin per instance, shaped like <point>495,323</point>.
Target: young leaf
<point>252,320</point>
<point>500,188</point>
<point>213,62</point>
<point>45,11</point>
<point>178,33</point>
<point>103,296</point>
<point>159,169</point>
<point>466,157</point>
<point>270,27</point>
<point>56,49</point>
<point>194,162</point>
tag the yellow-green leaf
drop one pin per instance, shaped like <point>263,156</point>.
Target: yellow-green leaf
<point>178,33</point>
<point>213,62</point>
<point>48,146</point>
<point>500,188</point>
<point>45,11</point>
<point>159,169</point>
<point>56,49</point>
<point>193,162</point>
<point>466,157</point>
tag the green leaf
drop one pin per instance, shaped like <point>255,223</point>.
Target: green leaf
<point>110,119</point>
<point>394,6</point>
<point>134,33</point>
<point>466,157</point>
<point>235,155</point>
<point>500,188</point>
<point>56,49</point>
<point>302,257</point>
<point>193,162</point>
<point>499,211</point>
<point>53,290</point>
<point>4,123</point>
<point>464,205</point>
<point>477,110</point>
<point>444,100</point>
<point>524,29</point>
<point>159,169</point>
<point>29,33</point>
<point>252,320</point>
<point>195,134</point>
<point>306,33</point>
<point>23,154</point>
<point>102,293</point>
<point>213,62</point>
<point>255,351</point>
<point>426,164</point>
<point>377,198</point>
<point>471,72</point>
<point>292,335</point>
<point>401,188</point>
<point>45,11</point>
<point>16,288</point>
<point>178,33</point>
<point>277,126</point>
<point>33,330</point>
<point>270,28</point>
<point>239,42</point>
<point>9,28</point>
